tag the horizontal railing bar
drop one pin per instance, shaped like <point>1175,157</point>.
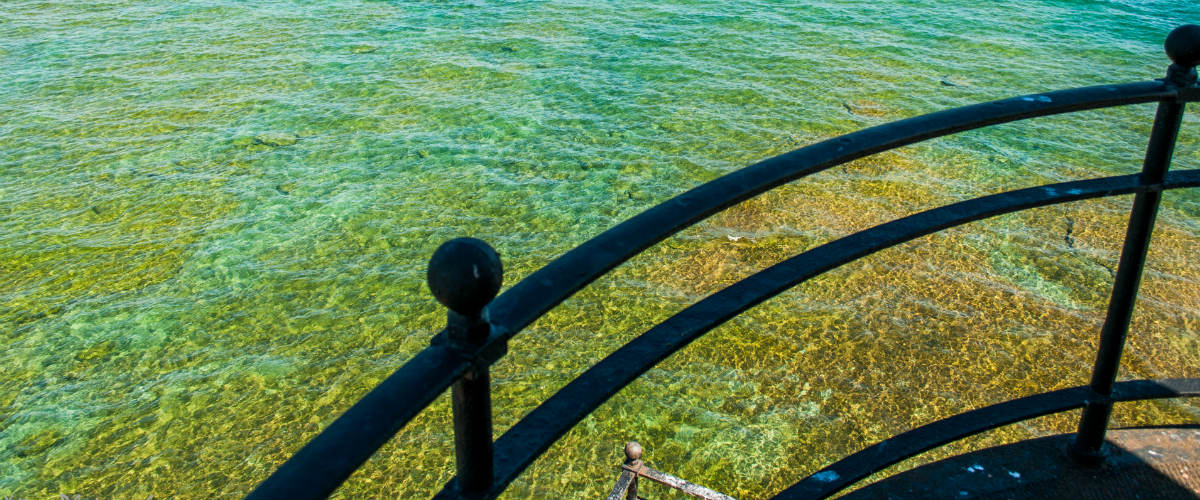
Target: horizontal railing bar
<point>325,462</point>
<point>685,486</point>
<point>872,459</point>
<point>539,292</point>
<point>533,434</point>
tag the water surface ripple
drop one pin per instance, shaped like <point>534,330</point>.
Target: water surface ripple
<point>215,218</point>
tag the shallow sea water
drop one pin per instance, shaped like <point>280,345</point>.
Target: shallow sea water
<point>215,218</point>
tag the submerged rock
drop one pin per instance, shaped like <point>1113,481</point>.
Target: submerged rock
<point>363,49</point>
<point>949,81</point>
<point>864,107</point>
<point>101,350</point>
<point>276,139</point>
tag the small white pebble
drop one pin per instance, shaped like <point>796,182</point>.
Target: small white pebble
<point>1016,475</point>
<point>733,238</point>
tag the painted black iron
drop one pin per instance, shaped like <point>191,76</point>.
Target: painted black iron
<point>1090,437</point>
<point>531,436</point>
<point>476,336</point>
<point>539,292</point>
<point>464,275</point>
<point>1089,440</point>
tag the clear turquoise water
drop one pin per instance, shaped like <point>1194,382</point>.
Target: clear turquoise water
<point>215,216</point>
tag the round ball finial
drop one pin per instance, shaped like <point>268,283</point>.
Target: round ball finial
<point>633,450</point>
<point>1183,45</point>
<point>464,275</point>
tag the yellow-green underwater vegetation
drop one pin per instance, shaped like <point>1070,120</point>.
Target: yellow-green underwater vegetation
<point>215,218</point>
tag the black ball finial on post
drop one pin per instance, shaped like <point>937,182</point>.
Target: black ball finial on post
<point>464,275</point>
<point>1183,47</point>
<point>1089,448</point>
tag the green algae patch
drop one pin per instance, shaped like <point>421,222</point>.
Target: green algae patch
<point>100,350</point>
<point>104,242</point>
<point>38,443</point>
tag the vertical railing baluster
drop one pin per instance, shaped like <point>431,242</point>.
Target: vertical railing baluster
<point>464,275</point>
<point>1182,46</point>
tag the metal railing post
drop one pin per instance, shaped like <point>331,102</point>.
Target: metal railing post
<point>1183,47</point>
<point>464,275</point>
<point>633,460</point>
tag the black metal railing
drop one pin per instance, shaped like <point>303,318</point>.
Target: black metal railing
<point>465,274</point>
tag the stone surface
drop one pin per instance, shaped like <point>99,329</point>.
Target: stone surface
<point>1143,463</point>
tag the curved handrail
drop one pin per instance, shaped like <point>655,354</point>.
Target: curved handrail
<point>539,292</point>
<point>533,434</point>
<point>858,466</point>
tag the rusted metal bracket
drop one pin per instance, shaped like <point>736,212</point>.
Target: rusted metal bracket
<point>634,467</point>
